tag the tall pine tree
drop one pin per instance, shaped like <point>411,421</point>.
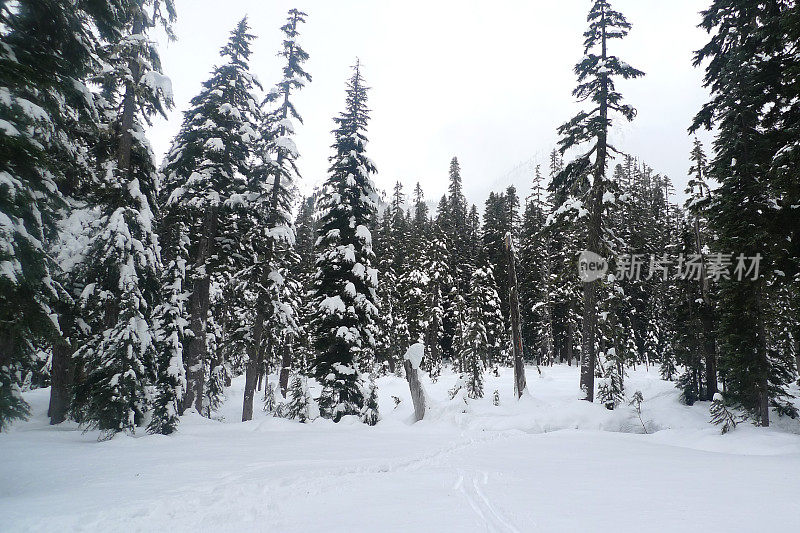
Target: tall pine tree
<point>346,280</point>
<point>596,73</point>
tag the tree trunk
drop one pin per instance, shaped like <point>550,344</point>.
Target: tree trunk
<point>593,242</point>
<point>516,336</point>
<point>763,384</point>
<point>196,349</point>
<point>252,371</point>
<point>569,343</point>
<point>129,109</point>
<point>286,368</point>
<point>589,320</point>
<point>710,349</point>
<point>417,392</point>
<point>706,318</point>
<point>60,381</point>
<point>7,346</point>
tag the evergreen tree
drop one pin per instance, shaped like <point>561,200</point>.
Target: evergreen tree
<point>475,348</point>
<point>415,280</point>
<point>305,236</point>
<point>49,52</point>
<point>204,187</point>
<point>720,416</point>
<point>746,56</point>
<point>121,273</point>
<point>171,382</point>
<point>484,296</point>
<point>454,223</point>
<point>595,77</point>
<point>440,282</point>
<point>299,401</point>
<point>275,314</point>
<point>392,344</point>
<point>564,236</point>
<point>346,281</point>
<point>535,276</point>
<point>369,413</point>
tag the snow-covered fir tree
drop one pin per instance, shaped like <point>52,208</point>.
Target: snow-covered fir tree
<point>299,400</point>
<point>475,348</point>
<point>745,72</point>
<point>535,276</point>
<point>273,238</point>
<point>121,272</point>
<point>440,282</point>
<point>346,281</point>
<point>171,316</point>
<point>369,413</point>
<point>49,52</point>
<point>204,178</point>
<point>484,296</point>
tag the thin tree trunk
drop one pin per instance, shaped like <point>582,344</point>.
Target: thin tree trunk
<point>569,342</point>
<point>286,368</point>
<point>763,385</point>
<point>706,319</point>
<point>520,384</point>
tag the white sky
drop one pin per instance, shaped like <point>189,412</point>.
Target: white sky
<point>488,81</point>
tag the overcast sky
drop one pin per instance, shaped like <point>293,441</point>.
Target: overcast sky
<point>487,81</point>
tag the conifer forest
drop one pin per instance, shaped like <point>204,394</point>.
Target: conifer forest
<point>211,322</point>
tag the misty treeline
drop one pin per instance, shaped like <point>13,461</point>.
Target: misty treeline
<point>137,293</point>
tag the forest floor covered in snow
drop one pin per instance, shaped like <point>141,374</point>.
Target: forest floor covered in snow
<point>546,463</point>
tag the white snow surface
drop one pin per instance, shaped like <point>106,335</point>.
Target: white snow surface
<point>414,354</point>
<point>548,462</point>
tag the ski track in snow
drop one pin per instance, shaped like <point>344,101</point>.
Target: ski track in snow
<point>492,519</point>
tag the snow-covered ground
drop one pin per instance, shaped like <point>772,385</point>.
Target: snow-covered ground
<point>546,463</point>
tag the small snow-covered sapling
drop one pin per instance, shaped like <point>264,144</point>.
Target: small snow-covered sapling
<point>720,416</point>
<point>636,403</point>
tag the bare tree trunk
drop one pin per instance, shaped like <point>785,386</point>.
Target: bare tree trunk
<point>60,381</point>
<point>417,392</point>
<point>763,384</point>
<point>706,319</point>
<point>548,312</point>
<point>251,371</point>
<point>588,340</point>
<point>569,343</point>
<point>520,384</point>
<point>286,368</point>
<point>710,349</point>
